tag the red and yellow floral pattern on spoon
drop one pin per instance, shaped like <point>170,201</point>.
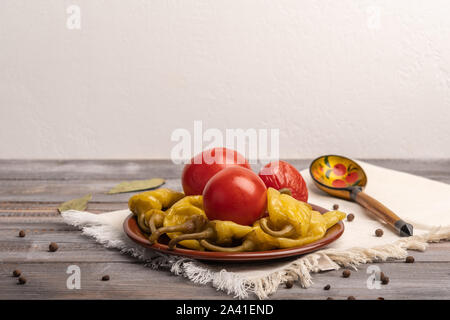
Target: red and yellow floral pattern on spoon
<point>338,172</point>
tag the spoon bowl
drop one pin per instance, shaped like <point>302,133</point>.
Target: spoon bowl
<point>337,175</point>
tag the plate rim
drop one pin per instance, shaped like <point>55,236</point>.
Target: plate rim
<point>335,232</point>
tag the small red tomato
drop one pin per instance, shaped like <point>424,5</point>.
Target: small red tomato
<point>280,174</point>
<point>235,194</point>
<point>205,165</point>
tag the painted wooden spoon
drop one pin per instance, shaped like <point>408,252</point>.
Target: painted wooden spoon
<point>344,178</point>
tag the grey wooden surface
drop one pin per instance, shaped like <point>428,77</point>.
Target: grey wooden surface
<point>31,190</point>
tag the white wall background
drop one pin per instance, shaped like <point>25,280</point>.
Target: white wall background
<point>333,76</point>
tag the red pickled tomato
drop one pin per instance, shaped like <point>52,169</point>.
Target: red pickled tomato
<point>205,165</point>
<point>235,194</point>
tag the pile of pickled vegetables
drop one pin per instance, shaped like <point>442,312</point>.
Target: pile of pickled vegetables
<point>287,222</point>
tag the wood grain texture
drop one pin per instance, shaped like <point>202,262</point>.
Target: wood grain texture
<point>141,169</point>
<point>31,190</point>
<point>135,281</point>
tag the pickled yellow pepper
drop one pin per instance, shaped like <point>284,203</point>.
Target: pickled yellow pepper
<point>148,206</point>
<point>290,223</point>
<point>299,225</point>
<point>187,219</point>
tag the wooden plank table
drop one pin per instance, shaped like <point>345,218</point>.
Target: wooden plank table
<point>31,190</point>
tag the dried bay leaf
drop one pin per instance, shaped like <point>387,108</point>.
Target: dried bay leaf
<point>137,185</point>
<point>75,204</point>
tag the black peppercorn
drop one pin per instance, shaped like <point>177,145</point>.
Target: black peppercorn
<point>346,273</point>
<point>327,287</point>
<point>350,217</point>
<point>22,233</point>
<point>52,247</point>
<point>335,206</point>
<point>379,233</point>
<point>105,278</point>
<point>409,259</point>
<point>351,298</point>
<point>289,284</point>
<point>17,273</point>
<point>22,280</point>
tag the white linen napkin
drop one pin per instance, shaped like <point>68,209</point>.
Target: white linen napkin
<point>419,201</point>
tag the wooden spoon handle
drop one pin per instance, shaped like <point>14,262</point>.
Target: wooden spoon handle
<point>384,213</point>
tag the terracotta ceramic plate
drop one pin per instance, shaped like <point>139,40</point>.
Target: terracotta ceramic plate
<point>132,230</point>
